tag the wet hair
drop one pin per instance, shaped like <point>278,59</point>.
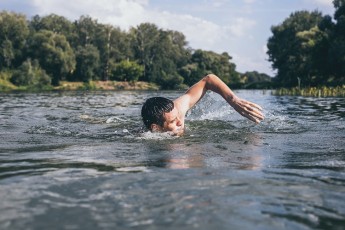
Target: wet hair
<point>153,110</point>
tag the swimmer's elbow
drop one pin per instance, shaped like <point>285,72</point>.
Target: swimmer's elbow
<point>209,80</point>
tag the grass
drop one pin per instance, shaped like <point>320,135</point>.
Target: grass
<point>106,85</point>
<point>6,86</point>
<point>323,91</point>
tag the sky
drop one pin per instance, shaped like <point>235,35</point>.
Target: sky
<point>239,27</point>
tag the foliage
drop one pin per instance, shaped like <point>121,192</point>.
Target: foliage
<point>256,80</point>
<point>205,62</point>
<point>337,45</point>
<point>87,63</point>
<point>14,31</point>
<point>54,54</point>
<point>324,91</point>
<point>127,71</point>
<point>308,48</point>
<point>86,50</point>
<point>30,74</point>
<point>289,47</point>
<point>5,83</point>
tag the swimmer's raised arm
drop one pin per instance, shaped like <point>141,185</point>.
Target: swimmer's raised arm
<point>211,82</point>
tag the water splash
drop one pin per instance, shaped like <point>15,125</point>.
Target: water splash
<point>156,136</point>
<point>115,120</point>
<point>211,107</point>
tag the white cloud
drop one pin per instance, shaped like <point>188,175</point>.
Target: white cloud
<point>249,1</point>
<point>250,63</point>
<point>326,3</point>
<point>199,32</point>
<point>218,3</point>
<point>125,14</point>
<point>106,11</point>
<point>241,26</point>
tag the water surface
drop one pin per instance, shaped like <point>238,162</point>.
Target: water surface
<point>81,160</point>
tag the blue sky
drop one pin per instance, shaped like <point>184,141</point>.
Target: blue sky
<point>239,27</point>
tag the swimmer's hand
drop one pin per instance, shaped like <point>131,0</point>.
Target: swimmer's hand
<point>247,109</point>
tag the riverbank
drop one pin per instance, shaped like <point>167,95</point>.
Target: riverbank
<point>6,86</point>
<point>107,85</point>
<point>338,91</point>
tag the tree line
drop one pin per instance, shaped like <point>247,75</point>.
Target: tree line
<point>47,50</point>
<point>308,48</point>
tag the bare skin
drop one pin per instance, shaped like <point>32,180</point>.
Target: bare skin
<point>174,120</point>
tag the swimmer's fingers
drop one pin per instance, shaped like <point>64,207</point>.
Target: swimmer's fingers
<point>249,110</point>
<point>253,116</point>
<point>255,105</point>
<point>255,112</point>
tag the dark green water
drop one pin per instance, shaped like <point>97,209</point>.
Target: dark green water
<point>82,161</point>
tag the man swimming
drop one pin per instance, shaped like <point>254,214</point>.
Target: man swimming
<point>163,115</point>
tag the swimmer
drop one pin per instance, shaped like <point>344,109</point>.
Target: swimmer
<point>160,114</point>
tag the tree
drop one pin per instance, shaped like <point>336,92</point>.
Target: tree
<point>162,53</point>
<point>144,39</point>
<point>6,53</point>
<point>289,48</point>
<point>54,54</point>
<point>87,63</point>
<point>55,23</point>
<point>30,74</point>
<point>14,31</point>
<point>113,45</point>
<point>204,62</point>
<point>166,58</point>
<point>127,71</point>
<point>337,46</point>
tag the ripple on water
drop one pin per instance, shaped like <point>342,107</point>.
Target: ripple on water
<point>82,159</point>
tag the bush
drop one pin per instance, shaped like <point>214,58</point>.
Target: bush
<point>30,74</point>
<point>127,71</point>
<point>171,81</point>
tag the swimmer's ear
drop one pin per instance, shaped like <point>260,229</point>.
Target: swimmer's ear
<point>156,128</point>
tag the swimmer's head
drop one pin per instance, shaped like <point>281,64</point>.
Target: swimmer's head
<point>160,115</point>
<point>154,109</point>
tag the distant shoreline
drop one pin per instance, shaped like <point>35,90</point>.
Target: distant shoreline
<point>92,85</point>
<point>322,91</point>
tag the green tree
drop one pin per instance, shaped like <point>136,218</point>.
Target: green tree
<point>87,63</point>
<point>54,54</point>
<point>254,80</point>
<point>14,31</point>
<point>289,48</point>
<point>144,40</point>
<point>86,29</point>
<point>30,74</point>
<point>162,53</point>
<point>166,61</point>
<point>114,46</point>
<point>337,46</point>
<point>127,71</point>
<point>319,47</point>
<point>205,62</point>
<point>6,53</point>
<point>55,23</point>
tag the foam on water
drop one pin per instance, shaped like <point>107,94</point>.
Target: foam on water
<point>156,136</point>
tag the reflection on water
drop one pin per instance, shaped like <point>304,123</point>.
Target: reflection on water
<point>82,160</point>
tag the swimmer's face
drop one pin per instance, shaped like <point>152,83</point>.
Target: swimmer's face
<point>172,123</point>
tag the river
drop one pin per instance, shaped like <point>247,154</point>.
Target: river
<point>82,160</point>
